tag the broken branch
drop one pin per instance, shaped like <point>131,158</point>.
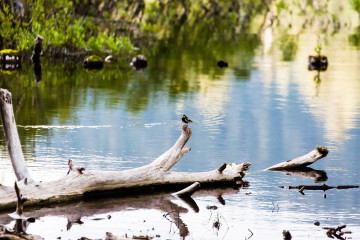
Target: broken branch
<point>12,136</point>
<point>187,191</point>
<point>303,161</point>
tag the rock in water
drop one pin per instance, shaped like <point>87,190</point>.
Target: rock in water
<point>139,62</point>
<point>319,63</point>
<point>93,62</point>
<point>222,64</point>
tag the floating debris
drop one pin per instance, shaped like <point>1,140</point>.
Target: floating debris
<point>211,207</point>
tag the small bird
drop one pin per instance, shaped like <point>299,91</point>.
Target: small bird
<point>185,119</point>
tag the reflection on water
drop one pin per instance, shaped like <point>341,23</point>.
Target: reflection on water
<point>260,109</point>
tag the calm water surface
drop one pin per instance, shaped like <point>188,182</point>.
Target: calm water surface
<point>261,110</point>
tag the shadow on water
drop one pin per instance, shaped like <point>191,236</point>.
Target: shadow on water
<point>307,172</point>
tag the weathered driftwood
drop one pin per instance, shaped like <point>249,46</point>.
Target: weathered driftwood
<point>302,161</point>
<point>323,187</point>
<point>78,184</point>
<point>12,136</point>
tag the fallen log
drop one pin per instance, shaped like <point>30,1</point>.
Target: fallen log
<point>78,184</point>
<point>323,187</point>
<point>302,161</point>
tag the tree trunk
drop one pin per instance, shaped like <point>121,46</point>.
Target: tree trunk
<point>79,183</point>
<point>12,136</point>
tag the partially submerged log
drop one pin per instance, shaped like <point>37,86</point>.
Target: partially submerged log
<point>303,161</point>
<point>323,187</point>
<point>81,184</point>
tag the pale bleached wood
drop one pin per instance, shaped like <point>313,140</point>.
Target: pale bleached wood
<point>302,161</point>
<point>78,183</point>
<point>12,136</point>
<point>155,175</point>
<point>188,191</point>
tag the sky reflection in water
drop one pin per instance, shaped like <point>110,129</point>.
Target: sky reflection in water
<point>263,111</point>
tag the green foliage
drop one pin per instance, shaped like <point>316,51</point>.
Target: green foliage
<point>355,4</point>
<point>288,46</point>
<point>318,49</point>
<point>354,39</point>
<point>110,44</point>
<point>322,150</point>
<point>281,5</point>
<point>54,20</point>
<point>94,58</point>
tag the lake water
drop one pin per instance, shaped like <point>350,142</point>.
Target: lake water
<point>261,109</point>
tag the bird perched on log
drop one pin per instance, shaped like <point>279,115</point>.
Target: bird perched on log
<point>185,119</point>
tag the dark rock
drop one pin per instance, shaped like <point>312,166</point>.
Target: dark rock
<point>222,64</point>
<point>286,235</point>
<point>319,63</point>
<point>211,207</point>
<point>139,62</point>
<point>93,62</point>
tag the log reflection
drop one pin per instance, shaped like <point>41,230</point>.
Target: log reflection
<point>163,202</point>
<point>316,175</point>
